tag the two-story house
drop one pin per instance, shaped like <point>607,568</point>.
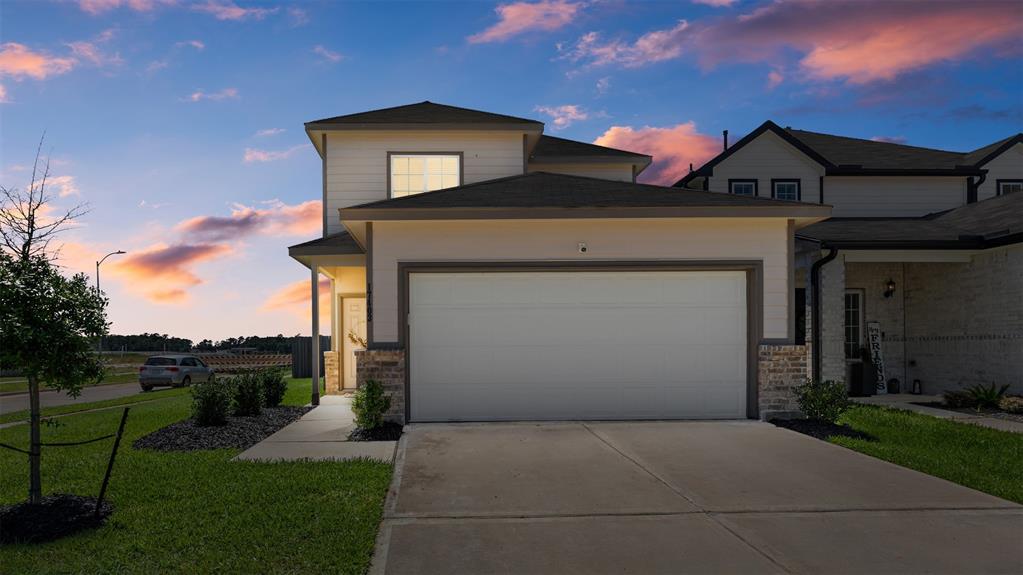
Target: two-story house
<point>921,259</point>
<point>482,270</point>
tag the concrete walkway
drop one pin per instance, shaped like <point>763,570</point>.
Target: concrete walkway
<point>908,402</point>
<point>676,497</point>
<point>319,435</point>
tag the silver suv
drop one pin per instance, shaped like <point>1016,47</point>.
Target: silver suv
<point>174,370</point>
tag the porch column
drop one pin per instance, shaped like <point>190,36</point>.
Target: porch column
<point>316,359</point>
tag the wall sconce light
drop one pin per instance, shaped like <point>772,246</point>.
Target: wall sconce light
<point>889,288</point>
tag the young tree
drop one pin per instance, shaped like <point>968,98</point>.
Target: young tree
<point>46,319</point>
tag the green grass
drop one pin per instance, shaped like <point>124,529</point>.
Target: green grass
<point>120,375</point>
<point>76,407</point>
<point>197,512</point>
<point>987,460</point>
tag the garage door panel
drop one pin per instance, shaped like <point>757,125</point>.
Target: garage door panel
<point>579,345</point>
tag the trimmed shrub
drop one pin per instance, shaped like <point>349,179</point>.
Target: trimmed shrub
<point>211,402</point>
<point>958,399</point>
<point>370,404</point>
<point>986,395</point>
<point>248,395</point>
<point>274,387</point>
<point>822,400</point>
<point>1011,403</point>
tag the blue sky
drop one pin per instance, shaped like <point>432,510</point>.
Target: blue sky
<point>161,111</point>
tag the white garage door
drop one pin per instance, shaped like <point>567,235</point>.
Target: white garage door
<point>577,345</point>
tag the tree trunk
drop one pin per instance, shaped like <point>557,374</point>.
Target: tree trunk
<point>35,482</point>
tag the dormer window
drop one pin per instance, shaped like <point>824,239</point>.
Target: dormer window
<point>1009,187</point>
<point>414,173</point>
<point>742,187</point>
<point>785,190</point>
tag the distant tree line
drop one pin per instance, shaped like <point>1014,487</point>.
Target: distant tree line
<point>163,342</point>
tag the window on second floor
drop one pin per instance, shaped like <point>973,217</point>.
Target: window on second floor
<point>417,173</point>
<point>785,190</point>
<point>1009,187</point>
<point>742,187</point>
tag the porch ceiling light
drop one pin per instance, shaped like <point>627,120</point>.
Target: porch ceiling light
<point>889,288</point>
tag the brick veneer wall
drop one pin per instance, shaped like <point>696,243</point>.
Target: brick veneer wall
<point>780,369</point>
<point>388,367</point>
<point>833,320</point>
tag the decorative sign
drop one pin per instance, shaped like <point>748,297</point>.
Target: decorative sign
<point>877,356</point>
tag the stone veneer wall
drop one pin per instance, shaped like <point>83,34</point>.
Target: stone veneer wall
<point>332,371</point>
<point>388,367</point>
<point>780,368</point>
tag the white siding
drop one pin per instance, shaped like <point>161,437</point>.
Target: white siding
<point>1008,166</point>
<point>907,196</point>
<point>764,239</point>
<point>765,158</point>
<point>618,172</point>
<point>357,161</point>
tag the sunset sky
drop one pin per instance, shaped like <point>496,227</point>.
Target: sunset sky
<point>180,122</point>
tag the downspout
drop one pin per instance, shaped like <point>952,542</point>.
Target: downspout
<point>815,286</point>
<point>972,187</point>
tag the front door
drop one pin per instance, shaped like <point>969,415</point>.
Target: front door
<point>353,324</point>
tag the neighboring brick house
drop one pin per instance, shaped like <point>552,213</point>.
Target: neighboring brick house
<point>927,244</point>
<point>492,272</point>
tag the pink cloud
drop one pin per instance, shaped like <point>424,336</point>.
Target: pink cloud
<point>100,6</point>
<point>862,41</point>
<point>656,46</point>
<point>563,116</point>
<point>255,155</point>
<point>269,132</point>
<point>225,94</point>
<point>197,44</point>
<point>296,297</point>
<point>3,95</point>
<point>327,54</point>
<point>163,273</point>
<point>890,139</point>
<point>716,3</point>
<point>279,219</point>
<point>226,10</point>
<point>673,148</point>
<point>520,17</point>
<point>19,61</point>
<point>774,79</point>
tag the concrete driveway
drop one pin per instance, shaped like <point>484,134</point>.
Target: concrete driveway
<point>676,497</point>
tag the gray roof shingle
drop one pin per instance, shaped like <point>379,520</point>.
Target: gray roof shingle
<point>424,113</point>
<point>992,222</point>
<point>554,147</point>
<point>339,243</point>
<point>869,154</point>
<point>548,190</point>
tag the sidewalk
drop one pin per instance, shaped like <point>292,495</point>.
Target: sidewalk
<point>320,435</point>
<point>908,402</point>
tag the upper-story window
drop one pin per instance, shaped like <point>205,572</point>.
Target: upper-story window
<point>417,173</point>
<point>1009,187</point>
<point>785,190</point>
<point>742,187</point>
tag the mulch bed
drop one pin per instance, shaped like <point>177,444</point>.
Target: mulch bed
<point>984,411</point>
<point>821,429</point>
<point>389,431</point>
<point>238,433</point>
<point>59,515</point>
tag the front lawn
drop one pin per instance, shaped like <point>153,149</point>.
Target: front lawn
<point>197,512</point>
<point>987,460</point>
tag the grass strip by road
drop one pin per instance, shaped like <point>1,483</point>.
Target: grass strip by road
<point>20,384</point>
<point>76,407</point>
<point>197,512</point>
<point>984,459</point>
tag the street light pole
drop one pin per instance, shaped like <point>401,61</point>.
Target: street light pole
<point>99,343</point>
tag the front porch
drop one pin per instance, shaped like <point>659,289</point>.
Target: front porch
<point>946,318</point>
<point>339,302</point>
